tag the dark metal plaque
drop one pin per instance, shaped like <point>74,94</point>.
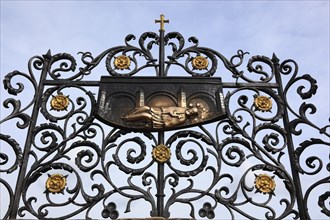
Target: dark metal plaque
<point>159,103</point>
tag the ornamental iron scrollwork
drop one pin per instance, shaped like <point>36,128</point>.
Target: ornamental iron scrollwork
<point>248,161</point>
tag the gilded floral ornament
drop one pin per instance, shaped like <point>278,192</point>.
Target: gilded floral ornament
<point>161,153</point>
<point>200,63</point>
<point>59,102</point>
<point>56,183</point>
<point>265,183</point>
<point>122,62</point>
<point>263,103</point>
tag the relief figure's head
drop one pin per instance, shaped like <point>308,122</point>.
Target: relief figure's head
<point>190,112</point>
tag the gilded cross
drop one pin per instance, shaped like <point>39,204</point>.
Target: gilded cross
<point>162,21</point>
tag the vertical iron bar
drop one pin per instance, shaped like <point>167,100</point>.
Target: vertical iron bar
<point>161,53</point>
<point>160,181</point>
<point>27,146</point>
<point>160,169</point>
<point>295,174</point>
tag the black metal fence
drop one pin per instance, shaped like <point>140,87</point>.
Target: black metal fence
<point>263,159</point>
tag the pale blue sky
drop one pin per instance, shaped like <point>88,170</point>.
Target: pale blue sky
<point>297,30</point>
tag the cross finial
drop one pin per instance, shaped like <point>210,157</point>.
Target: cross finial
<point>162,21</point>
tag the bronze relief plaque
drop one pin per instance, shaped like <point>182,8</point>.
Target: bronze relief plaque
<point>159,103</point>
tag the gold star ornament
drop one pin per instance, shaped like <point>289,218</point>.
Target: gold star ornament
<point>59,102</point>
<point>200,63</point>
<point>161,153</point>
<point>122,62</point>
<point>263,103</point>
<point>265,183</point>
<point>56,183</point>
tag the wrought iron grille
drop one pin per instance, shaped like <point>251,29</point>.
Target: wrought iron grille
<point>265,159</point>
